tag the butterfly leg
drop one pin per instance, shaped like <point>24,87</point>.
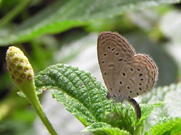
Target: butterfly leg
<point>136,108</point>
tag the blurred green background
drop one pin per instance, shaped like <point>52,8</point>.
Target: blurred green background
<point>57,31</point>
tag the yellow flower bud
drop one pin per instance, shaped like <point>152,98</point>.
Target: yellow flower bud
<point>20,69</point>
<point>22,74</point>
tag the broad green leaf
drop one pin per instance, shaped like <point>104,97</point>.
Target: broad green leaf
<point>79,86</point>
<point>167,126</point>
<point>66,14</point>
<point>146,110</point>
<point>84,97</point>
<point>76,108</point>
<point>176,130</point>
<point>14,12</point>
<point>101,128</point>
<point>125,117</point>
<point>122,117</point>
<point>170,95</point>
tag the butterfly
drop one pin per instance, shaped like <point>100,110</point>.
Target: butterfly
<point>126,74</point>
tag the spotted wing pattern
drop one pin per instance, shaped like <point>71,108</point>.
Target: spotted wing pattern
<point>125,73</point>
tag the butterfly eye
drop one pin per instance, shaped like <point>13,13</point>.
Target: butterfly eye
<point>108,96</point>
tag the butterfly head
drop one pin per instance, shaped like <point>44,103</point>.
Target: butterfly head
<point>108,96</point>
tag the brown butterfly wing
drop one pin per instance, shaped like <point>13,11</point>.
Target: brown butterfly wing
<point>138,76</point>
<point>113,54</point>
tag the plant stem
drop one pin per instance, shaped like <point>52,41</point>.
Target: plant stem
<point>25,81</point>
<point>38,108</point>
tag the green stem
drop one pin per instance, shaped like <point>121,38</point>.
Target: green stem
<point>25,81</point>
<point>38,108</point>
<point>14,12</point>
<point>29,90</point>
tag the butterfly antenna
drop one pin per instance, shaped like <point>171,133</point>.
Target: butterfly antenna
<point>136,108</point>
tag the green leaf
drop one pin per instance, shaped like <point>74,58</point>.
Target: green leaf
<point>76,108</point>
<point>123,117</point>
<point>146,133</point>
<point>84,97</point>
<point>14,12</point>
<point>81,91</point>
<point>146,110</point>
<point>167,94</point>
<point>167,126</point>
<point>66,14</point>
<point>101,128</point>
